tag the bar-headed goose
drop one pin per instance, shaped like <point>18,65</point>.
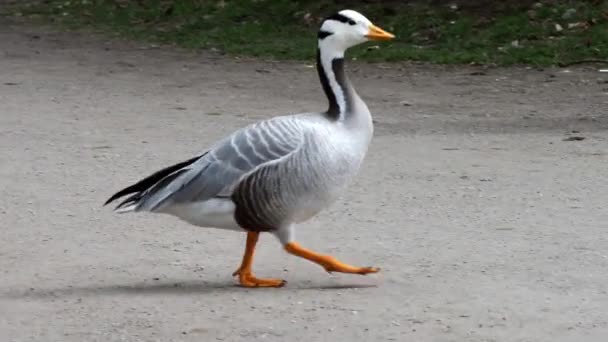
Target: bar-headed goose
<point>273,174</point>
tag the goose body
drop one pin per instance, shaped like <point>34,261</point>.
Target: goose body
<point>294,176</point>
<point>275,173</point>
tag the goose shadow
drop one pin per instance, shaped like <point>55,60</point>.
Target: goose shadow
<point>175,287</point>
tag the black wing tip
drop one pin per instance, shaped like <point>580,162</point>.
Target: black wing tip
<point>115,197</point>
<point>109,201</point>
<point>149,181</point>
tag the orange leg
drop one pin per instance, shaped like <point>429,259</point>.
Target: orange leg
<point>329,263</point>
<point>246,277</point>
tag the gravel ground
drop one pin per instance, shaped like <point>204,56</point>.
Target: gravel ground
<point>487,222</point>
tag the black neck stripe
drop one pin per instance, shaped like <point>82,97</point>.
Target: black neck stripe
<point>334,110</point>
<point>337,66</point>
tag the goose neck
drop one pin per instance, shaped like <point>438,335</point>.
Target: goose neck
<point>340,94</point>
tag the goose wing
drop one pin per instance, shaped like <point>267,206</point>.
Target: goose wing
<point>216,172</point>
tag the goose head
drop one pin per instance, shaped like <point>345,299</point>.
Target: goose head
<point>348,28</point>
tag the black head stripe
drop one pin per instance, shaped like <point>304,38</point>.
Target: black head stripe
<point>323,34</point>
<point>341,18</point>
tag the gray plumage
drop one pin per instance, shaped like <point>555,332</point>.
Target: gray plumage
<point>275,171</point>
<point>217,172</point>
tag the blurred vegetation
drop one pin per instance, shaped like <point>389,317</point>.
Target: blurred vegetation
<point>466,31</point>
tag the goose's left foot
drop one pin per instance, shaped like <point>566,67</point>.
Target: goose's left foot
<point>245,273</point>
<point>329,263</point>
<point>247,279</point>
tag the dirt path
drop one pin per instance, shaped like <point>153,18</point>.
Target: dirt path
<point>487,225</point>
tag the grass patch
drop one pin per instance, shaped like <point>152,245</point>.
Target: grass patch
<point>545,33</point>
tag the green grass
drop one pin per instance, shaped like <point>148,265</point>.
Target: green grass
<point>282,29</point>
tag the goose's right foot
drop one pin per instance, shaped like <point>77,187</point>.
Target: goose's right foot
<point>329,263</point>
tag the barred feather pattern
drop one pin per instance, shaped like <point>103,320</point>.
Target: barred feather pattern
<point>299,185</point>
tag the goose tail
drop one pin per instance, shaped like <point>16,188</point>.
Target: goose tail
<point>139,190</point>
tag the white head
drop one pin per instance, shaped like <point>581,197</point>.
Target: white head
<point>348,28</point>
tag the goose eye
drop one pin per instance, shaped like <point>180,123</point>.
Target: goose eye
<point>351,22</point>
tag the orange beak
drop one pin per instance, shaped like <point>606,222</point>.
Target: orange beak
<point>376,33</point>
